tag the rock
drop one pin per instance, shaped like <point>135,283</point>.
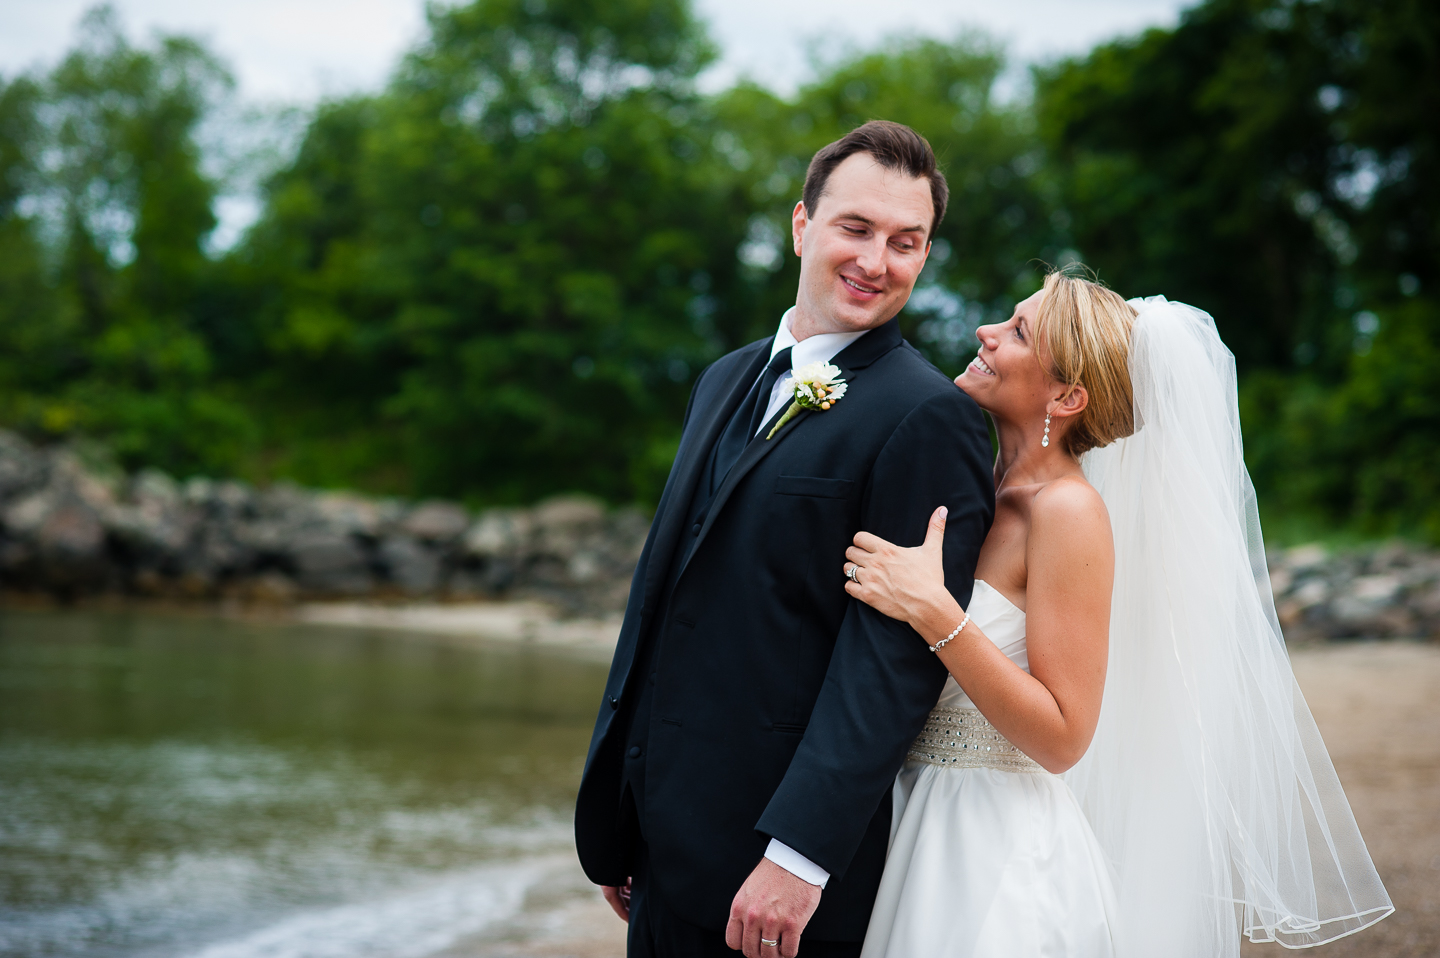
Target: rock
<point>1304,558</point>
<point>565,523</point>
<point>268,538</point>
<point>232,500</point>
<point>1391,556</point>
<point>330,563</point>
<point>70,547</point>
<point>24,517</point>
<point>155,526</point>
<point>71,532</point>
<point>1426,607</point>
<point>629,528</point>
<point>197,490</point>
<point>1311,593</point>
<point>348,512</point>
<point>285,502</point>
<point>69,474</point>
<point>411,566</point>
<point>499,533</point>
<point>151,534</point>
<point>268,588</point>
<point>152,485</point>
<point>585,566</point>
<point>22,468</point>
<point>215,553</point>
<point>1370,606</point>
<point>436,521</point>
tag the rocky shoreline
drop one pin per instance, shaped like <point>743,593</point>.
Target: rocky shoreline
<point>1384,590</point>
<point>70,532</point>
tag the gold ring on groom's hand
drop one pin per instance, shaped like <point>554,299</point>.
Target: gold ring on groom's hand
<point>767,941</point>
<point>853,574</point>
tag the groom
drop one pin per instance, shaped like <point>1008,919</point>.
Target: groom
<point>737,789</point>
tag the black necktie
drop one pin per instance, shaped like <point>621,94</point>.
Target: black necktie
<point>747,419</point>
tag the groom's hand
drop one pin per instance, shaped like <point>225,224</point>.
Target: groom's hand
<point>619,898</point>
<point>772,904</point>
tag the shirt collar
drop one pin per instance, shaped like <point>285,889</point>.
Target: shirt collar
<point>820,348</point>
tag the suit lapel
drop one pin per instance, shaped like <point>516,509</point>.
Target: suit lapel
<point>709,424</point>
<point>851,360</point>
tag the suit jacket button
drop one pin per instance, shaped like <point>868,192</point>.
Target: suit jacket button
<point>695,529</point>
<point>634,751</point>
<point>614,703</point>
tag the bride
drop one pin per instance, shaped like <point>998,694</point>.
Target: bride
<point>1121,763</point>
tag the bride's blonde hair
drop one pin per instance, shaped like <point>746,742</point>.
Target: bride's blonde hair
<point>1083,331</point>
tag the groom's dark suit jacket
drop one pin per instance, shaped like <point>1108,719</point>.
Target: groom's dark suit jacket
<point>780,707</point>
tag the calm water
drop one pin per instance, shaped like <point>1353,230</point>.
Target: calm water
<point>192,787</point>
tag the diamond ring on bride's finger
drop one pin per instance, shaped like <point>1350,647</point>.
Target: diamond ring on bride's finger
<point>853,574</point>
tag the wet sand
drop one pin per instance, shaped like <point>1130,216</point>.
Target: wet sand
<point>1378,707</point>
<point>526,622</point>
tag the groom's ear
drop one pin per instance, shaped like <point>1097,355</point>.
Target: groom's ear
<point>798,220</point>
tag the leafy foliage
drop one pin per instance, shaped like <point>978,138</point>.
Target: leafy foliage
<point>1275,164</point>
<point>498,277</point>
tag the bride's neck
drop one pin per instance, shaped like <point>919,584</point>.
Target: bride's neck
<point>1023,460</point>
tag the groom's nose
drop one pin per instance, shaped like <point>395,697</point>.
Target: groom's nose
<point>871,258</point>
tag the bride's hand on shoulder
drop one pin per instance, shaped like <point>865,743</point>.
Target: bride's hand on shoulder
<point>904,584</point>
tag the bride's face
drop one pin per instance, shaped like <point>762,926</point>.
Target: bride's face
<point>1006,377</point>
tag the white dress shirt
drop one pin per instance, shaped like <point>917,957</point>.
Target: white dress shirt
<point>820,348</point>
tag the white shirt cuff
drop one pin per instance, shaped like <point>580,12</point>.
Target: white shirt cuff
<point>796,863</point>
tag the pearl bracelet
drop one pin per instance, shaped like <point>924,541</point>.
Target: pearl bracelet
<point>941,644</point>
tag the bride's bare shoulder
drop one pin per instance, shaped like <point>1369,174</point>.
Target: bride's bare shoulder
<point>1069,509</point>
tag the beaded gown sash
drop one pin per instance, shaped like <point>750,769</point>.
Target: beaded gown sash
<point>963,738</point>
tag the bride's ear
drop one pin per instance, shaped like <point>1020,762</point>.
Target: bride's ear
<point>1069,403</point>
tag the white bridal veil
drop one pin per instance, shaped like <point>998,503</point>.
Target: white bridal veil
<point>1207,782</point>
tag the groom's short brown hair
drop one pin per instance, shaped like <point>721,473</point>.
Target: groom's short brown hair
<point>894,146</point>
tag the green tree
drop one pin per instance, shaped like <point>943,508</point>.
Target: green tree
<point>497,262</point>
<point>1275,164</point>
<point>105,332</point>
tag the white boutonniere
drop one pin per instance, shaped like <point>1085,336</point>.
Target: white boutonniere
<point>815,386</point>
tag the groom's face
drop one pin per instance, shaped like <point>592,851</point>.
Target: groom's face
<point>862,249</point>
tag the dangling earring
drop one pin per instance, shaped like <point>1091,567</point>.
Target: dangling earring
<point>1045,441</point>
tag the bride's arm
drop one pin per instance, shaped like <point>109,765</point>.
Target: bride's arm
<point>1050,714</point>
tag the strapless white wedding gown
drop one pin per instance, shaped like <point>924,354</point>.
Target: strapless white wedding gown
<point>990,855</point>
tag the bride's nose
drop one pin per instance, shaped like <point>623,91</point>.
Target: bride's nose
<point>987,336</point>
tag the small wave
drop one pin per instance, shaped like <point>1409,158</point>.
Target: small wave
<point>411,924</point>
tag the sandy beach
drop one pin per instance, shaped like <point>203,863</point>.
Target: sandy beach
<point>1377,705</point>
<point>525,622</point>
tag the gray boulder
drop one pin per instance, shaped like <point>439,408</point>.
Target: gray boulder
<point>350,513</point>
<point>409,565</point>
<point>436,521</point>
<point>565,525</point>
<point>498,534</point>
<point>1370,605</point>
<point>22,467</point>
<point>330,563</point>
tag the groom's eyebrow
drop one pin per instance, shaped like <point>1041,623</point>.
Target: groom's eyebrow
<point>869,222</point>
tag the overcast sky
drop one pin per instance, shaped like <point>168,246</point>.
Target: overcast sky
<point>295,51</point>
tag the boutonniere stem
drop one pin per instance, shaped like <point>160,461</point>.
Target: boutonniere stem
<point>816,386</point>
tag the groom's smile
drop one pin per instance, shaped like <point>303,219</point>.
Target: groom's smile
<point>861,247</point>
<point>861,291</point>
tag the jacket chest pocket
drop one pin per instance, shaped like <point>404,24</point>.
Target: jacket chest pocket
<point>814,487</point>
